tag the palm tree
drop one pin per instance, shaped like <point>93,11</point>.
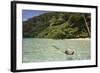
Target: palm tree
<point>86,24</point>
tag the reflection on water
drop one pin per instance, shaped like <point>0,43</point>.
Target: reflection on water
<point>42,50</point>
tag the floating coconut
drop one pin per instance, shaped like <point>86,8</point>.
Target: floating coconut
<point>67,52</point>
<point>70,51</point>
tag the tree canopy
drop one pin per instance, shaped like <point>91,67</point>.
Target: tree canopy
<point>58,25</point>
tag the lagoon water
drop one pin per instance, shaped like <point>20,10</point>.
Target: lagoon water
<point>42,50</point>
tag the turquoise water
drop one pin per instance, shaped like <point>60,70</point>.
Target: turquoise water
<point>42,50</point>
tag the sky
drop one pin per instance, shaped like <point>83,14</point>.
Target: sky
<point>26,14</point>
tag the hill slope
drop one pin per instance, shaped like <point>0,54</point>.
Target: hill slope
<point>58,25</point>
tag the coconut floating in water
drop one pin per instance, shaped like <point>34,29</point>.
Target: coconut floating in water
<point>70,51</point>
<point>67,52</point>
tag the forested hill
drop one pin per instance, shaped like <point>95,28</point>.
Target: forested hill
<point>58,25</point>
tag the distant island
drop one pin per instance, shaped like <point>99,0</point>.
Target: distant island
<point>58,25</point>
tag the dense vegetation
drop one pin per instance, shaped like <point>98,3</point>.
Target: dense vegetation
<point>58,25</point>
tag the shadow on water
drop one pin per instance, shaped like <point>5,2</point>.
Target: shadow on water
<point>69,58</point>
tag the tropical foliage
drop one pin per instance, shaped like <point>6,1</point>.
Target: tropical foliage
<point>58,25</point>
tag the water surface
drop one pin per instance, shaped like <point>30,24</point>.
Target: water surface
<point>42,50</point>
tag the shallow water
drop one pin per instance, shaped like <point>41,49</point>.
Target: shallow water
<point>42,50</point>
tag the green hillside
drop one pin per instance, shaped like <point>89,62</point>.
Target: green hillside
<point>58,25</point>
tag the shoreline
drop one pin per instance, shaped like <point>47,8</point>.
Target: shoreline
<point>80,39</point>
<point>63,39</point>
